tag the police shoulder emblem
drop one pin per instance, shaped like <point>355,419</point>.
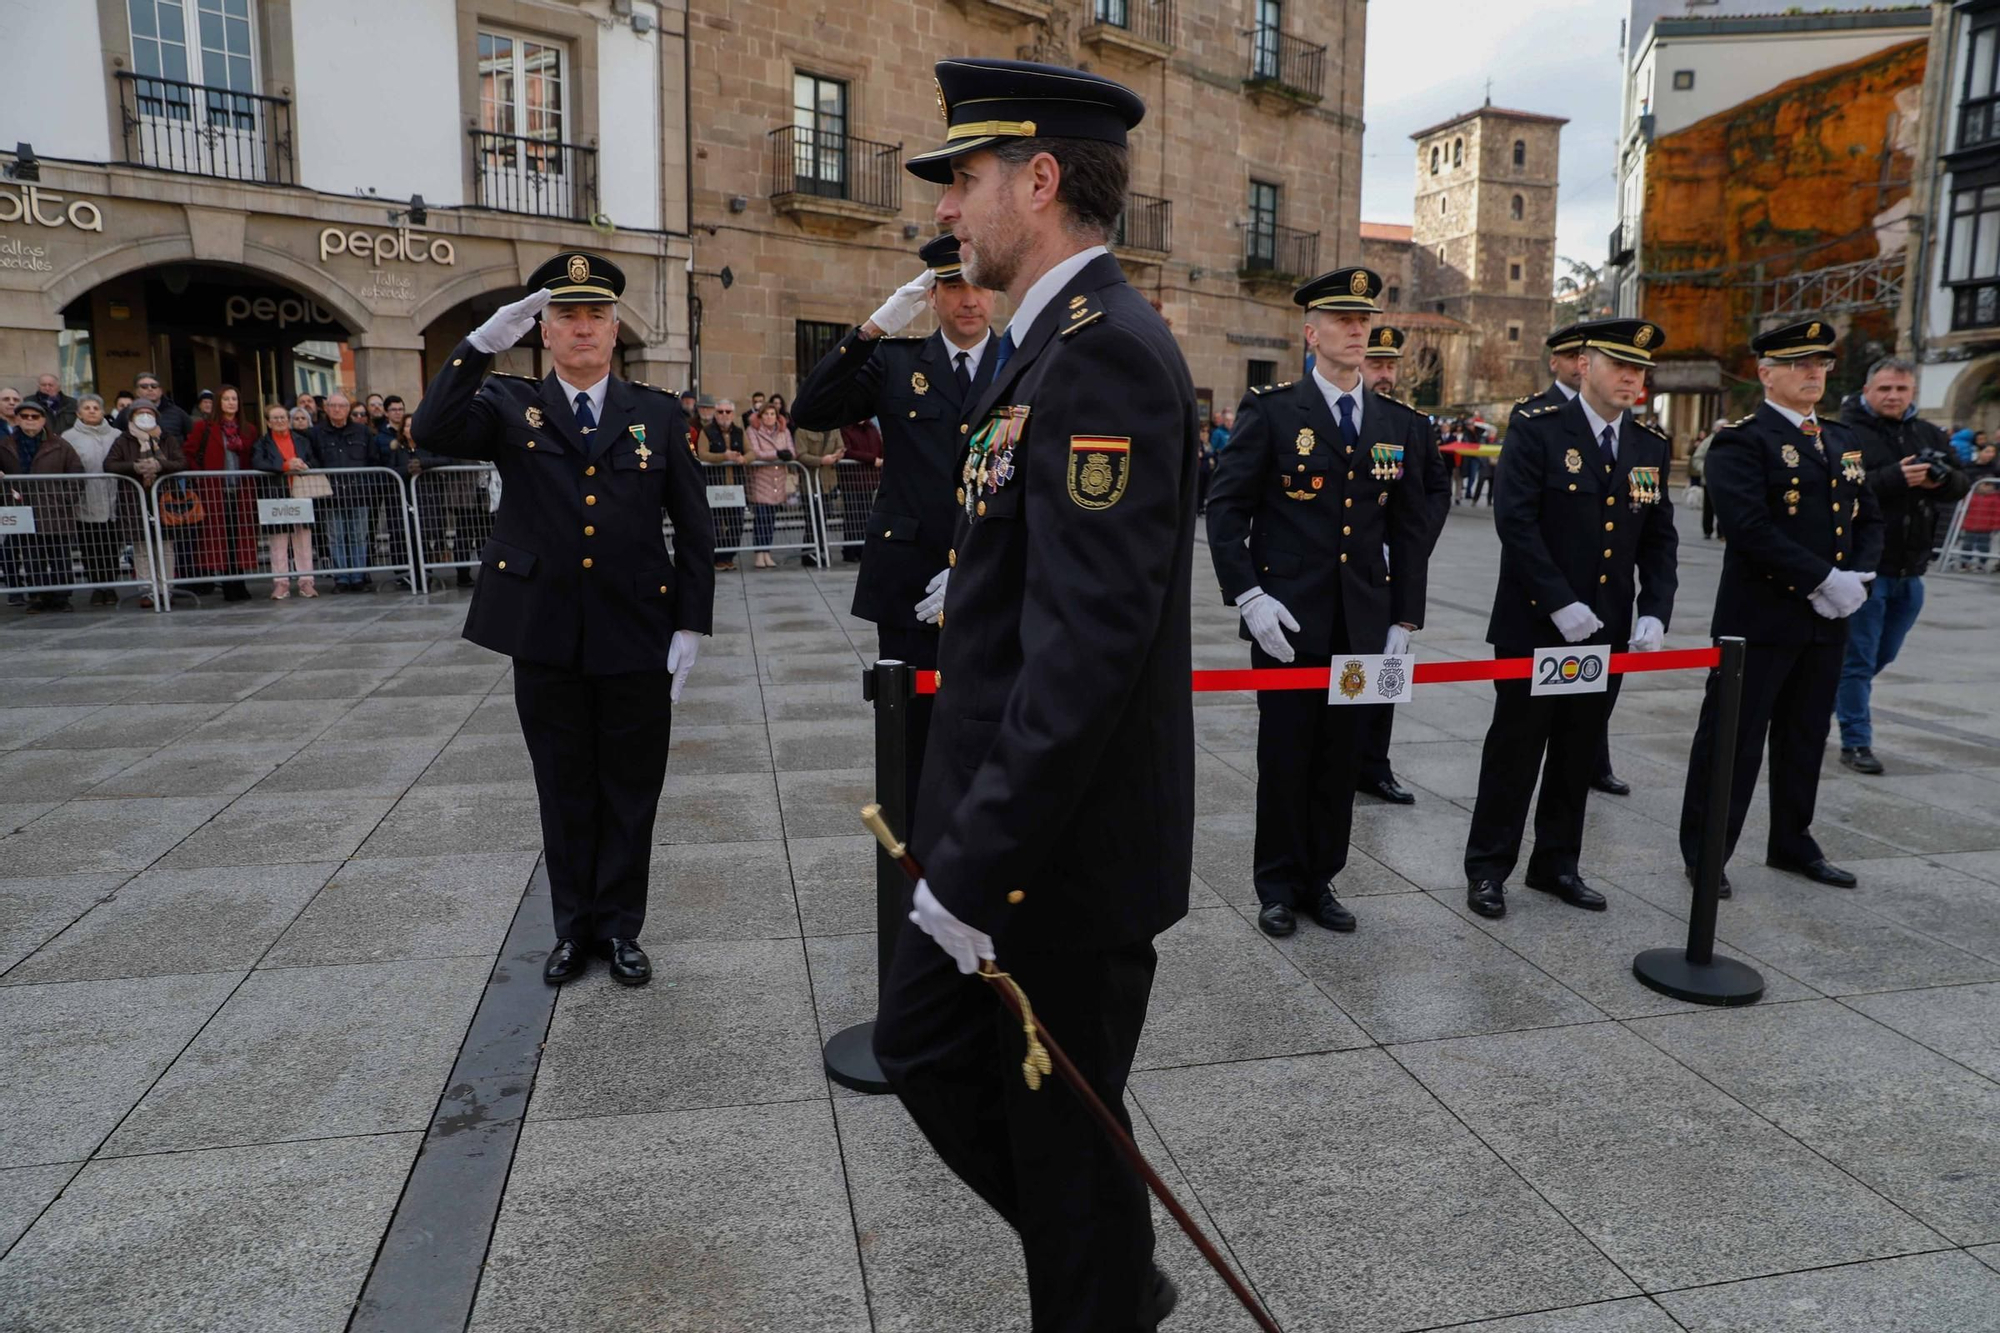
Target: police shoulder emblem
<point>919,382</point>
<point>1352,680</point>
<point>534,416</point>
<point>1098,468</point>
<point>1573,461</point>
<point>579,269</point>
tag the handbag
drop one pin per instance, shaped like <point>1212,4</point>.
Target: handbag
<point>311,486</point>
<point>180,506</point>
<point>1982,512</point>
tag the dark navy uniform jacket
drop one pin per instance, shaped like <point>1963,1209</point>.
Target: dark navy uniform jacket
<point>908,385</point>
<point>1572,531</point>
<point>1789,514</point>
<point>1290,510</point>
<point>577,573</point>
<point>1061,758</point>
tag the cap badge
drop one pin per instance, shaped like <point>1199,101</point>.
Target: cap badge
<point>1644,337</point>
<point>1812,330</point>
<point>1385,338</point>
<point>943,109</point>
<point>1358,284</point>
<point>579,269</point>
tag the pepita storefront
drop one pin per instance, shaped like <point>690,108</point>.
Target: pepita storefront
<point>107,272</point>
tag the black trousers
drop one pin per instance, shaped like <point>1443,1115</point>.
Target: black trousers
<point>953,1054</point>
<point>1307,754</point>
<point>1788,691</point>
<point>599,746</point>
<point>918,647</point>
<point>1601,766</point>
<point>1378,725</point>
<point>1557,738</point>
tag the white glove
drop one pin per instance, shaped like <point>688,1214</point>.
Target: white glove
<point>1576,622</point>
<point>1822,606</point>
<point>1264,615</point>
<point>1868,577</point>
<point>1648,635</point>
<point>1399,642</point>
<point>1844,592</point>
<point>931,609</point>
<point>902,307</point>
<point>965,945</point>
<point>509,323</point>
<point>680,660</point>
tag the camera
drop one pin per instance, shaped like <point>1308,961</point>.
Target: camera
<point>1937,463</point>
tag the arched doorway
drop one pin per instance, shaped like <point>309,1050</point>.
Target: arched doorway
<point>1427,379</point>
<point>1974,397</point>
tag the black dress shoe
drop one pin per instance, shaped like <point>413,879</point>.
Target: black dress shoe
<point>1487,897</point>
<point>1277,920</point>
<point>1571,889</point>
<point>1161,1298</point>
<point>1723,892</point>
<point>1819,870</point>
<point>1609,784</point>
<point>629,964</point>
<point>1860,758</point>
<point>1330,914</point>
<point>1385,789</point>
<point>566,962</point>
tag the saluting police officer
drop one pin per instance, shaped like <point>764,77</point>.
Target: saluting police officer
<point>1318,524</point>
<point>1056,819</point>
<point>1580,506</point>
<point>920,390</point>
<point>1385,355</point>
<point>578,587</point>
<point>1804,534</point>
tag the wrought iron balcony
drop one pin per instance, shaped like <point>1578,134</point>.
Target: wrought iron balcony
<point>1142,28</point>
<point>512,173</point>
<point>1289,67</point>
<point>1624,240</point>
<point>1146,225</point>
<point>203,130</point>
<point>1279,254</point>
<point>811,169</point>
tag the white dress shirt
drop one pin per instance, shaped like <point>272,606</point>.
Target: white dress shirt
<point>1567,392</point>
<point>1045,290</point>
<point>1333,393</point>
<point>1598,423</point>
<point>596,392</point>
<point>973,354</point>
<point>1795,418</point>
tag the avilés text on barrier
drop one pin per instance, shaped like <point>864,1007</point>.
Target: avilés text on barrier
<point>17,521</point>
<point>288,513</point>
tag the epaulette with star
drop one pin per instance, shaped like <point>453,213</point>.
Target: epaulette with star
<point>1271,388</point>
<point>1083,309</point>
<point>1650,428</point>
<point>652,388</point>
<point>1543,410</point>
<point>1522,399</point>
<point>505,375</point>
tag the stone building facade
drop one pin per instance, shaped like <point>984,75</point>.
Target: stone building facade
<point>1245,180</point>
<point>1437,358</point>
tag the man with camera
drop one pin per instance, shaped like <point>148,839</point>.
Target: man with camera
<point>1916,478</point>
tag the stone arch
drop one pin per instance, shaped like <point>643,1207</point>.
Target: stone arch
<point>1961,406</point>
<point>117,261</point>
<point>632,325</point>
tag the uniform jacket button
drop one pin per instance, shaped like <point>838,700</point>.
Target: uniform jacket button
<point>1346,531</point>
<point>1343,557</point>
<point>590,499</point>
<point>1015,896</point>
<point>530,444</point>
<point>1607,553</point>
<point>590,471</point>
<point>663,587</point>
<point>501,565</point>
<point>982,509</point>
<point>1604,578</point>
<point>1610,527</point>
<point>586,562</point>
<point>951,559</point>
<point>589,531</point>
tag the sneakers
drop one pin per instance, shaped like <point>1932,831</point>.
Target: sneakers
<point>1860,758</point>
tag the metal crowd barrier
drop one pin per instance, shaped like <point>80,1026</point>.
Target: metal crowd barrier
<point>452,516</point>
<point>224,536</point>
<point>77,532</point>
<point>797,524</point>
<point>1965,549</point>
<point>847,509</point>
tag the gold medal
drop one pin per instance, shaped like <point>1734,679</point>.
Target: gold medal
<point>1791,502</point>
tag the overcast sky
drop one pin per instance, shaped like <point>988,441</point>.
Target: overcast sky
<point>1428,60</point>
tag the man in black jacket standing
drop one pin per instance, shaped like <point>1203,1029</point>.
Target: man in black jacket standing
<point>576,586</point>
<point>1804,535</point>
<point>1915,477</point>
<point>1319,525</point>
<point>1056,819</point>
<point>345,441</point>
<point>1582,510</point>
<point>920,390</point>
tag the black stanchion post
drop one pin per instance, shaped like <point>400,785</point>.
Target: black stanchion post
<point>1696,974</point>
<point>890,686</point>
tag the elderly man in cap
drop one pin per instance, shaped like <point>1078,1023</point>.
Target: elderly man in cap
<point>920,389</point>
<point>1321,530</point>
<point>1581,508</point>
<point>1056,818</point>
<point>577,586</point>
<point>1804,534</point>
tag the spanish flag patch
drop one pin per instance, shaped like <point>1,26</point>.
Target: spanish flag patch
<point>1098,467</point>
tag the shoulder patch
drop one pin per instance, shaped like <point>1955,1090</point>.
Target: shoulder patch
<point>1271,388</point>
<point>1651,429</point>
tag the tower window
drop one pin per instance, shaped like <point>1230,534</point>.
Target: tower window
<point>1515,207</point>
<point>1520,152</point>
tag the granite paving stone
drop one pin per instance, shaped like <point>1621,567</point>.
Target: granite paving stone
<point>719,807</point>
<point>441,821</point>
<point>203,686</point>
<point>381,909</point>
<point>833,880</point>
<point>126,726</point>
<point>19,726</point>
<point>408,719</point>
<point>297,720</point>
<point>736,748</point>
<point>1637,1314</point>
<point>24,1192</point>
<point>58,775</point>
<point>1961,1022</point>
<point>270,830</point>
<point>33,911</point>
<point>126,834</point>
<point>721,891</point>
<point>352,768</point>
<point>209,768</point>
<point>1923,1293</point>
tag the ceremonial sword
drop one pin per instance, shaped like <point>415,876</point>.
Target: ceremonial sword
<point>1044,1055</point>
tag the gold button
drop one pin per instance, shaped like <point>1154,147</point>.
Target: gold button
<point>940,681</point>
<point>1347,532</point>
<point>530,443</point>
<point>590,471</point>
<point>1607,553</point>
<point>951,559</point>
<point>961,495</point>
<point>1609,499</point>
<point>501,565</point>
<point>1610,527</point>
<point>589,531</point>
<point>586,562</point>
<point>1533,602</point>
<point>663,587</point>
<point>1836,506</point>
<point>1604,578</point>
<point>458,361</point>
<point>963,429</point>
<point>1840,532</point>
<point>1840,555</point>
<point>590,499</point>
<point>1795,481</point>
<point>1350,476</point>
<point>1572,485</point>
<point>982,509</point>
<point>1343,557</point>
<point>1302,467</point>
<point>913,414</point>
<point>1015,896</point>
<point>1347,503</point>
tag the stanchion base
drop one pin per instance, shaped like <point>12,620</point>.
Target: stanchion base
<point>850,1059</point>
<point>1723,981</point>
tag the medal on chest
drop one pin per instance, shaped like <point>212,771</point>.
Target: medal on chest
<point>1850,466</point>
<point>989,459</point>
<point>1387,460</point>
<point>1789,455</point>
<point>1645,487</point>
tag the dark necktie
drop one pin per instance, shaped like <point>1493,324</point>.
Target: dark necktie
<point>1002,352</point>
<point>1349,432</point>
<point>586,420</point>
<point>1608,441</point>
<point>964,376</point>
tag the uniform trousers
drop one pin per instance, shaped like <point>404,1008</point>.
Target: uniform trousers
<point>599,746</point>
<point>953,1052</point>
<point>1378,726</point>
<point>919,647</point>
<point>1788,692</point>
<point>1307,753</point>
<point>1553,736</point>
<point>1601,765</point>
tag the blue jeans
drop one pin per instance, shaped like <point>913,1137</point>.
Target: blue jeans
<point>1875,635</point>
<point>347,534</point>
<point>763,522</point>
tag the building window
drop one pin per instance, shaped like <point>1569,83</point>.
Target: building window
<point>1444,205</point>
<point>206,42</point>
<point>1440,307</point>
<point>1972,255</point>
<point>521,87</point>
<point>190,101</point>
<point>1683,80</point>
<point>1520,152</point>
<point>1440,254</point>
<point>1513,333</point>
<point>812,340</point>
<point>1514,272</point>
<point>1270,24</point>
<point>1435,153</point>
<point>1394,295</point>
<point>819,139</point>
<point>1112,12</point>
<point>1262,372</point>
<point>1515,206</point>
<point>1458,152</point>
<point>1979,110</point>
<point>1262,248</point>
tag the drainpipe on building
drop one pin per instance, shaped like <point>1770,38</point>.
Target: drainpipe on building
<point>1917,278</point>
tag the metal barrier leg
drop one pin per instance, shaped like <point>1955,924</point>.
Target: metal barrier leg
<point>850,1054</point>
<point>1696,974</point>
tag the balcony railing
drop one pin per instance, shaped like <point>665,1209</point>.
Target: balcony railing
<point>1146,224</point>
<point>206,131</point>
<point>836,166</point>
<point>1622,243</point>
<point>1150,21</point>
<point>1280,252</point>
<point>515,174</point>
<point>1978,122</point>
<point>1287,64</point>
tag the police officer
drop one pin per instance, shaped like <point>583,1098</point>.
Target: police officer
<point>1318,525</point>
<point>1056,819</point>
<point>920,390</point>
<point>577,586</point>
<point>1385,356</point>
<point>1804,535</point>
<point>1581,507</point>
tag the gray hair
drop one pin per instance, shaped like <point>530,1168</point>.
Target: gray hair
<point>1893,365</point>
<point>89,398</point>
<point>729,403</point>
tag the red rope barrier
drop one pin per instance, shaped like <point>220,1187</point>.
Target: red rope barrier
<point>1427,673</point>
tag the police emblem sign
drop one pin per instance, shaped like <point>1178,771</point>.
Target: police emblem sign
<point>1378,679</point>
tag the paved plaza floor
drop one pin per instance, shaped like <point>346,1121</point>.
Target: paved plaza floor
<point>277,1055</point>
